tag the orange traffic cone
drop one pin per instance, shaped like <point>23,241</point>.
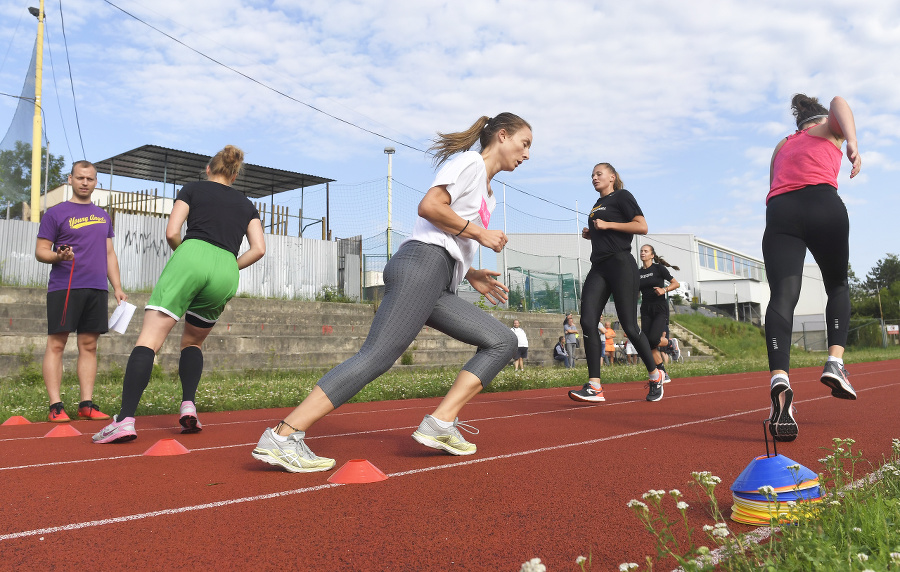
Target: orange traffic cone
<point>357,471</point>
<point>165,447</point>
<point>63,431</point>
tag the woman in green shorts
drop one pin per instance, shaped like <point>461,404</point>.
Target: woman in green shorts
<point>197,282</point>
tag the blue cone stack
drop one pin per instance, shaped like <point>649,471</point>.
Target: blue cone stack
<point>798,485</point>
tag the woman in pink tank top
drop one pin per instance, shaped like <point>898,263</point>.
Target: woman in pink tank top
<point>803,210</point>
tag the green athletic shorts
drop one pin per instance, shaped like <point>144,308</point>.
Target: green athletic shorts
<point>198,280</point>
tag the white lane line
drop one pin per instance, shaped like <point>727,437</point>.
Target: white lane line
<point>185,509</point>
<point>255,498</point>
<point>568,409</point>
<point>718,379</point>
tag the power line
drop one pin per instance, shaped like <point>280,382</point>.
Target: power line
<point>263,84</point>
<point>71,79</point>
<point>56,89</point>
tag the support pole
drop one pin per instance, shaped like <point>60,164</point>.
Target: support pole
<point>36,124</point>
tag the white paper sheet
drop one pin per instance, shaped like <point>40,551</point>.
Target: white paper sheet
<point>121,317</point>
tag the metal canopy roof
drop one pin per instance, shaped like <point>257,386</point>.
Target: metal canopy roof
<point>154,163</point>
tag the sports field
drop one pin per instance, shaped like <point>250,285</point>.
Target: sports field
<point>551,479</point>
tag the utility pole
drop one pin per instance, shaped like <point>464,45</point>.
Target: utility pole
<point>36,129</point>
<point>389,151</point>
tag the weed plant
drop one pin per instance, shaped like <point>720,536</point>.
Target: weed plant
<point>853,528</point>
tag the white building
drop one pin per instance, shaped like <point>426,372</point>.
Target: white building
<point>709,273</point>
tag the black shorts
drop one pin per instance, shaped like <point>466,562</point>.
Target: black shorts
<point>522,353</point>
<point>87,311</point>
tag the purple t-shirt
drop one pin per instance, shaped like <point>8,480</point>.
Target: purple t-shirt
<point>85,228</point>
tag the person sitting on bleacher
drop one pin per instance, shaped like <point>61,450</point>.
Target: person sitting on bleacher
<point>560,353</point>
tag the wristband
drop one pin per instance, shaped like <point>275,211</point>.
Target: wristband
<point>463,229</point>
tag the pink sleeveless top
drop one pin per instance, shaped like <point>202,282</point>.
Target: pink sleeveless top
<point>804,160</point>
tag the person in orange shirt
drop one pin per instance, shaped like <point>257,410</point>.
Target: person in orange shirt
<point>610,343</point>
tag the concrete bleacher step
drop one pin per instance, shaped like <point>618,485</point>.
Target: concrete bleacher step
<point>251,334</point>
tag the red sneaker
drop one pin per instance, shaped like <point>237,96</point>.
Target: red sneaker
<point>90,411</point>
<point>57,414</point>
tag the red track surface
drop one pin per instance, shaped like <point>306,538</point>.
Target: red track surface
<point>551,479</point>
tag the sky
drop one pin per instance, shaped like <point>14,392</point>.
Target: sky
<point>686,99</point>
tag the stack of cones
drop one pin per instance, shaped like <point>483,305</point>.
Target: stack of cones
<point>798,485</point>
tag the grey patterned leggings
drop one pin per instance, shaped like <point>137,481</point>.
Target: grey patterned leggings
<point>416,294</point>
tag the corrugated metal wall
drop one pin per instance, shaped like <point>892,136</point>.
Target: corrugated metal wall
<point>292,267</point>
<point>18,266</point>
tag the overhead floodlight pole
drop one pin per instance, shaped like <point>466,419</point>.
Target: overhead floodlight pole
<point>389,151</point>
<point>36,129</point>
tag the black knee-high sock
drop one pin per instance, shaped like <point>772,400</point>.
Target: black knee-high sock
<point>661,366</point>
<point>137,376</point>
<point>190,368</point>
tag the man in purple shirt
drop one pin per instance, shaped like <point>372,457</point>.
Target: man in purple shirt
<point>75,237</point>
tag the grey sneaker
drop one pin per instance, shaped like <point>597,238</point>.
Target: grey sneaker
<point>292,456</point>
<point>655,392</point>
<point>666,378</point>
<point>835,377</point>
<point>451,440</point>
<point>782,425</point>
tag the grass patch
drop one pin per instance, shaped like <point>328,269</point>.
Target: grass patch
<point>24,394</point>
<point>853,528</point>
<point>733,338</point>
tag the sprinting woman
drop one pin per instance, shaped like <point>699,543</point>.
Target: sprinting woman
<point>656,281</point>
<point>612,224</point>
<point>197,282</point>
<point>803,210</point>
<point>420,289</point>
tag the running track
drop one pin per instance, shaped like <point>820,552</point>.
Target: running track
<point>551,479</point>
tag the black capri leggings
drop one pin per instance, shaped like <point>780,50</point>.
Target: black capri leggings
<point>616,275</point>
<point>654,322</point>
<point>813,217</point>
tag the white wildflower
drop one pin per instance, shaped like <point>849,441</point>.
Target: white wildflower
<point>862,557</point>
<point>856,529</point>
<point>768,491</point>
<point>834,503</point>
<point>895,556</point>
<point>533,565</point>
<point>681,505</point>
<point>795,467</point>
<point>580,560</point>
<point>721,525</point>
<point>626,566</point>
<point>637,504</point>
<point>675,493</point>
<point>707,528</point>
<point>720,532</point>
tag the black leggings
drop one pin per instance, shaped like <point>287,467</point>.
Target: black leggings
<point>813,217</point>
<point>616,275</point>
<point>654,323</point>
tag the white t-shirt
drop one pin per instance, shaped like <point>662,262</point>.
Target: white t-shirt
<point>465,177</point>
<point>520,335</point>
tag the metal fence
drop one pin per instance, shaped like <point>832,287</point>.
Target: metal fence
<point>293,267</point>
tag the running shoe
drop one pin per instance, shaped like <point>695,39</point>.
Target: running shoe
<point>666,378</point>
<point>57,414</point>
<point>655,392</point>
<point>450,440</point>
<point>117,431</point>
<point>88,410</point>
<point>835,377</point>
<point>188,420</point>
<point>587,393</point>
<point>782,425</point>
<point>292,455</point>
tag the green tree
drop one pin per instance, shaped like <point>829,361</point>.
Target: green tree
<point>885,273</point>
<point>15,175</point>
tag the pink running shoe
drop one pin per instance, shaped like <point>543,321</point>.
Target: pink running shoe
<point>189,421</point>
<point>117,431</point>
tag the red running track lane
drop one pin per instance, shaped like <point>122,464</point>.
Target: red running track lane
<point>551,479</point>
